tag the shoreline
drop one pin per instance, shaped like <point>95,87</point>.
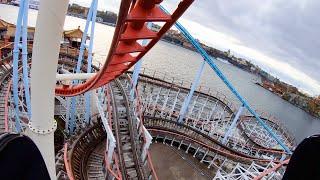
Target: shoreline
<point>188,48</point>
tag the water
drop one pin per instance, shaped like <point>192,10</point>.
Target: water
<point>182,63</point>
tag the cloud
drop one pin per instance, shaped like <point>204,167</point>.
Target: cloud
<point>278,35</point>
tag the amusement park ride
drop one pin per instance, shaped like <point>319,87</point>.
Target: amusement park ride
<point>111,115</point>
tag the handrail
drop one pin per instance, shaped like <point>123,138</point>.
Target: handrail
<point>275,168</point>
<point>5,46</point>
<point>212,93</point>
<point>6,109</point>
<point>145,132</point>
<point>118,177</point>
<point>114,156</point>
<point>185,84</point>
<point>220,151</point>
<point>66,162</point>
<point>151,165</point>
<point>263,149</point>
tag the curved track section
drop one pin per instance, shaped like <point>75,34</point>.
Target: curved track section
<point>261,137</point>
<point>225,162</point>
<point>86,151</point>
<point>95,168</point>
<point>5,78</point>
<point>125,49</point>
<point>126,135</point>
<point>182,129</point>
<point>209,113</point>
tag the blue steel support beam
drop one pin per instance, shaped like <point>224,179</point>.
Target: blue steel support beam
<point>187,100</point>
<point>135,77</point>
<point>93,7</point>
<point>214,67</point>
<point>89,61</point>
<point>15,70</point>
<point>25,58</point>
<point>232,126</point>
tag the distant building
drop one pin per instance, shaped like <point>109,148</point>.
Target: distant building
<point>33,4</point>
<point>85,11</point>
<point>155,27</point>
<point>7,34</point>
<point>99,19</point>
<point>73,37</point>
<point>4,1</point>
<point>7,31</point>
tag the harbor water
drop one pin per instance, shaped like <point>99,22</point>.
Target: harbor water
<point>182,63</point>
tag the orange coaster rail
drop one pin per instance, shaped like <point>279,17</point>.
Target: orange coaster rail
<point>125,50</point>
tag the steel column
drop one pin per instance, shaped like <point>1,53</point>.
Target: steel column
<point>25,57</point>
<point>232,126</point>
<point>91,18</point>
<point>15,68</point>
<point>49,28</point>
<point>187,100</point>
<point>89,61</point>
<point>214,67</point>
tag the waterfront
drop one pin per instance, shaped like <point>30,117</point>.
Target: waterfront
<point>184,63</point>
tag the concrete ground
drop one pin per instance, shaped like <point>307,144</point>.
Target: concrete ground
<point>173,164</point>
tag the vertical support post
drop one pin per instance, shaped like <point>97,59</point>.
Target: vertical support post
<point>148,141</point>
<point>215,68</point>
<point>15,70</point>
<point>49,28</point>
<point>89,61</point>
<point>135,77</point>
<point>25,57</point>
<point>187,100</point>
<point>232,126</point>
<point>110,136</point>
<point>90,17</point>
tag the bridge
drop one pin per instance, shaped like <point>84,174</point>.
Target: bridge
<point>93,121</point>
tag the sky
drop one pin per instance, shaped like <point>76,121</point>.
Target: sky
<point>280,36</point>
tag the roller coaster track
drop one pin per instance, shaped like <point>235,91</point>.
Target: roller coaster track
<point>182,129</point>
<point>227,163</point>
<point>6,117</point>
<point>126,134</point>
<point>163,108</point>
<point>262,138</point>
<point>4,87</point>
<point>131,27</point>
<point>86,153</point>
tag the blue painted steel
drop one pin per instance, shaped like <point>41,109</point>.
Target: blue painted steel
<point>135,76</point>
<point>25,58</point>
<point>92,12</point>
<point>214,67</point>
<point>233,125</point>
<point>15,70</point>
<point>89,65</point>
<point>187,100</point>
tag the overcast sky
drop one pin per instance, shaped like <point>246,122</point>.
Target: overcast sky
<point>280,36</point>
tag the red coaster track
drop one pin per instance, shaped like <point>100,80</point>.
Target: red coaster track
<point>131,27</point>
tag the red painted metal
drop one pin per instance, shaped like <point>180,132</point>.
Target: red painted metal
<point>214,149</point>
<point>6,108</point>
<point>131,26</point>
<point>275,168</point>
<point>66,162</point>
